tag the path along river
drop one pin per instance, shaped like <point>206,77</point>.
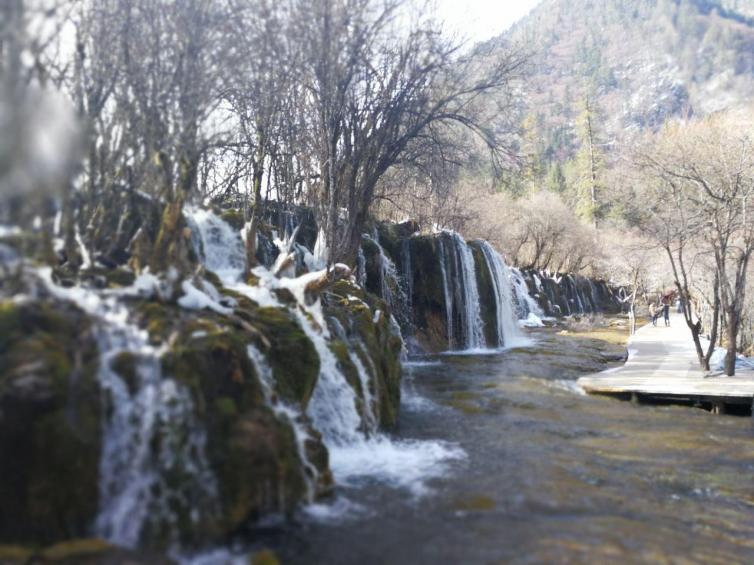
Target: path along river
<point>548,475</point>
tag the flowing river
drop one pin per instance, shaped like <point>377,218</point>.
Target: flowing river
<point>544,474</point>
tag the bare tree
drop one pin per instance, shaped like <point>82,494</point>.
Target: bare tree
<point>704,171</point>
<point>377,89</point>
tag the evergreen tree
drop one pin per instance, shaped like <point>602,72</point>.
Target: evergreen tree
<point>589,166</point>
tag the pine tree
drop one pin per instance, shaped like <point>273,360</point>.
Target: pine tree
<point>589,166</point>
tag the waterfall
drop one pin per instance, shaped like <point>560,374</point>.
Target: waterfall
<point>447,284</point>
<point>361,268</point>
<point>355,445</point>
<point>527,306</point>
<point>459,275</point>
<point>576,294</point>
<point>507,328</point>
<point>332,407</point>
<point>149,427</point>
<point>219,246</point>
<point>392,289</point>
<point>594,296</point>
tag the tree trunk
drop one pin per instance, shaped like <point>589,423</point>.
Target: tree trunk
<point>696,330</point>
<point>251,235</point>
<point>732,331</point>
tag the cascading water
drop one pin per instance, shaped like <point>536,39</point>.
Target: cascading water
<point>527,306</point>
<point>219,246</point>
<point>593,295</point>
<point>150,429</point>
<point>361,268</point>
<point>459,276</point>
<point>507,330</point>
<point>447,285</point>
<point>354,443</point>
<point>392,287</point>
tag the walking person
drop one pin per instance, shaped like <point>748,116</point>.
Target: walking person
<point>666,309</point>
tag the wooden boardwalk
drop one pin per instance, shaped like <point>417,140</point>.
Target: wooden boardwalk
<point>662,366</point>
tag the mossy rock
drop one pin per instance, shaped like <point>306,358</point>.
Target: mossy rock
<point>234,218</point>
<point>292,356</point>
<point>251,451</point>
<point>428,300</point>
<point>160,319</point>
<point>107,278</point>
<point>374,341</point>
<point>126,364</point>
<point>49,422</point>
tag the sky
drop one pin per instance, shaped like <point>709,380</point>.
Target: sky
<point>477,20</point>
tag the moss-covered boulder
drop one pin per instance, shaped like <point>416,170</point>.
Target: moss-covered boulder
<point>364,321</point>
<point>251,449</point>
<point>49,422</point>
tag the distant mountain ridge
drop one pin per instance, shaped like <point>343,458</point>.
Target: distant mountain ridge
<point>639,62</point>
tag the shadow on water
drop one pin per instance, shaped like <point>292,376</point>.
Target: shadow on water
<point>549,476</point>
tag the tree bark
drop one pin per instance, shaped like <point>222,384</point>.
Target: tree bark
<point>732,331</point>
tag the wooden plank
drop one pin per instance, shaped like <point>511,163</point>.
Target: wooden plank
<point>662,362</point>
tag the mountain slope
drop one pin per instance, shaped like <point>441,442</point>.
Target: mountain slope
<point>638,62</point>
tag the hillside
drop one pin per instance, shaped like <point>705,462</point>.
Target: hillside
<point>639,62</point>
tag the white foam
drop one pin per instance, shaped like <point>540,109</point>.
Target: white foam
<point>336,511</point>
<point>532,321</point>
<point>406,464</point>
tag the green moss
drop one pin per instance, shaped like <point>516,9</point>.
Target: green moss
<point>79,548</point>
<point>110,278</point>
<point>346,366</point>
<point>157,318</point>
<point>431,331</point>
<point>234,218</point>
<point>214,366</point>
<point>292,356</point>
<point>253,453</point>
<point>374,342</point>
<point>212,278</point>
<point>226,407</point>
<point>49,421</point>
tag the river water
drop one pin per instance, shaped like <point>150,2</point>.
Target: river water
<point>547,475</point>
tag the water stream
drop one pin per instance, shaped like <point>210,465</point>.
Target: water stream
<point>550,476</point>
